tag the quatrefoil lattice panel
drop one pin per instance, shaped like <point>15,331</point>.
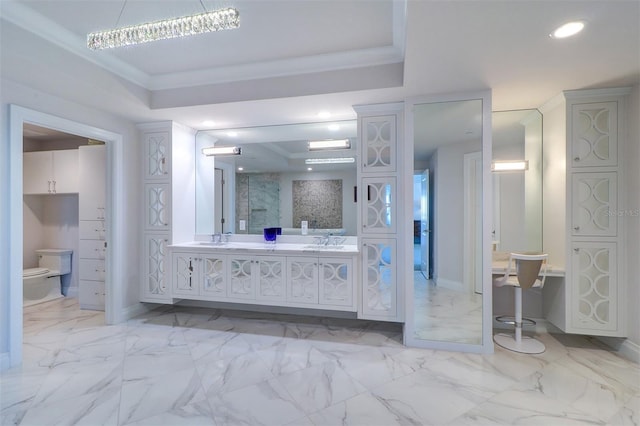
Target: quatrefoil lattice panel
<point>379,205</point>
<point>595,293</point>
<point>157,206</point>
<point>183,273</point>
<point>595,204</point>
<point>379,143</point>
<point>335,283</point>
<point>271,279</point>
<point>595,135</point>
<point>380,274</point>
<point>241,278</point>
<point>214,276</point>
<point>156,279</point>
<point>157,150</point>
<point>303,280</point>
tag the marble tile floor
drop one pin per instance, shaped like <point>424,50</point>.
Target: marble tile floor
<point>191,366</point>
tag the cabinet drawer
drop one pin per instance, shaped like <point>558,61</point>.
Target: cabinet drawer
<point>92,249</point>
<point>92,230</point>
<point>91,294</point>
<point>92,269</point>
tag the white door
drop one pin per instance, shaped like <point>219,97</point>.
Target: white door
<point>425,232</point>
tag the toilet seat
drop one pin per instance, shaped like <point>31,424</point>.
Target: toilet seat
<point>32,272</point>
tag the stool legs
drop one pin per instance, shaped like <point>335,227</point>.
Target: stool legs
<point>516,342</point>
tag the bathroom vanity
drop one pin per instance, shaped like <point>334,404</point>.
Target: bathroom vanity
<point>297,274</point>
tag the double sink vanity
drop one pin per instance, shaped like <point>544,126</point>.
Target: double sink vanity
<point>295,271</point>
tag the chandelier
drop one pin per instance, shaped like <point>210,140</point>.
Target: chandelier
<point>221,19</point>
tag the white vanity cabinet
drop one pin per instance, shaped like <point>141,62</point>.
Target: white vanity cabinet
<point>168,151</point>
<point>379,138</point>
<point>317,281</point>
<point>50,172</point>
<point>591,300</point>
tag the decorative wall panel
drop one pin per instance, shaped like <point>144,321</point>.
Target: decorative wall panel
<point>319,202</point>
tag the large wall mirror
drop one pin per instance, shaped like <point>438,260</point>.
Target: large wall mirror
<point>446,306</point>
<point>278,180</point>
<point>517,194</point>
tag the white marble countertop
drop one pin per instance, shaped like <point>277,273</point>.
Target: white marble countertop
<point>262,247</point>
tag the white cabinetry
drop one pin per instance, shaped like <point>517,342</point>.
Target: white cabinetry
<point>50,172</point>
<point>169,200</point>
<point>300,281</point>
<point>592,300</point>
<point>92,247</point>
<point>379,135</point>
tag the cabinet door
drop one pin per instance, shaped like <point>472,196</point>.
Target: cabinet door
<point>379,286</point>
<point>65,171</point>
<point>594,136</point>
<point>92,249</point>
<point>379,205</point>
<point>92,269</point>
<point>378,143</point>
<point>594,287</point>
<point>155,271</point>
<point>214,276</point>
<point>91,182</point>
<point>594,204</point>
<point>271,272</point>
<point>241,278</point>
<point>37,175</point>
<point>91,295</point>
<point>92,230</point>
<point>158,208</point>
<point>335,283</point>
<point>302,280</point>
<point>185,270</point>
<point>157,150</point>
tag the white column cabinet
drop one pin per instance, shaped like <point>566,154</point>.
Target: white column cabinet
<point>592,300</point>
<point>165,219</point>
<point>91,213</point>
<point>379,139</point>
<point>50,172</point>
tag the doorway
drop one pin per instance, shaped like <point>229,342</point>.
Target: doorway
<point>19,116</point>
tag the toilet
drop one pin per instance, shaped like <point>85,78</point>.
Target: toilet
<point>42,284</point>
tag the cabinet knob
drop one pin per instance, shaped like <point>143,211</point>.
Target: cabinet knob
<point>576,159</point>
<point>576,228</point>
<point>577,250</point>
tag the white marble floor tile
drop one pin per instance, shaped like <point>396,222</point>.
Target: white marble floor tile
<point>143,398</point>
<point>265,403</point>
<point>179,365</point>
<point>320,386</point>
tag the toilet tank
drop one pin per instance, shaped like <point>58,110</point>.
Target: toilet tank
<point>55,259</point>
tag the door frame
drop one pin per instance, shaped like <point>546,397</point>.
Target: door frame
<point>114,205</point>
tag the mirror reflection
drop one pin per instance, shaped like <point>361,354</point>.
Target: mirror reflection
<point>448,221</point>
<point>278,180</point>
<point>517,194</point>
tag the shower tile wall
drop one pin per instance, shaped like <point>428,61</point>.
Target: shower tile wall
<point>258,201</point>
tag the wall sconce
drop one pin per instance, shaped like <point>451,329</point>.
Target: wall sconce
<point>222,150</point>
<point>329,144</point>
<point>510,166</point>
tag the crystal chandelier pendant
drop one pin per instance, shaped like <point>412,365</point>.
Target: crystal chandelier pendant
<point>222,19</point>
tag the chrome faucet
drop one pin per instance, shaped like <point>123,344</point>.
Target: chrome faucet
<point>216,238</point>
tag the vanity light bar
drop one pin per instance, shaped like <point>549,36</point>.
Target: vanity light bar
<point>222,150</point>
<point>509,166</point>
<point>329,144</point>
<point>329,160</point>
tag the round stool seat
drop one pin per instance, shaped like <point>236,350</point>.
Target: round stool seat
<point>527,345</point>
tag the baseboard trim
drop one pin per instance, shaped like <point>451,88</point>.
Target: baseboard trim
<point>623,347</point>
<point>5,361</point>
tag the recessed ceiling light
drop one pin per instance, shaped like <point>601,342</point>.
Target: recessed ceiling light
<point>567,30</point>
<point>309,168</point>
<point>324,114</point>
<point>240,169</point>
<point>334,127</point>
<point>232,134</point>
<point>209,123</point>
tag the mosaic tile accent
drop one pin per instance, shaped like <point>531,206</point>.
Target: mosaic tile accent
<point>319,202</point>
